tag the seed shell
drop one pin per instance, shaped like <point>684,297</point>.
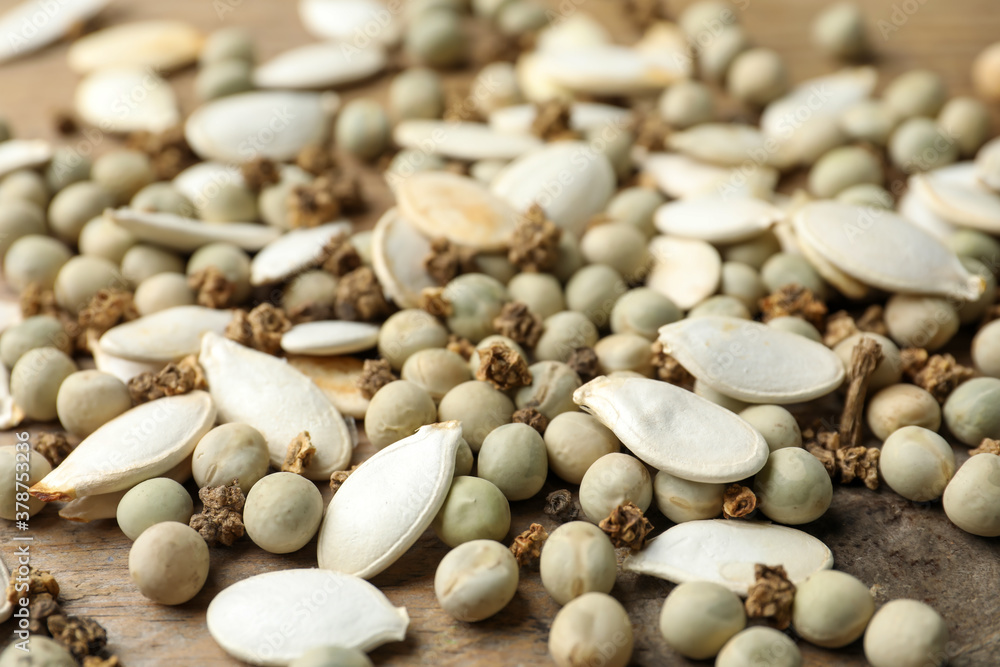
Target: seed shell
<point>725,144</point>
<point>462,140</point>
<point>683,177</point>
<point>752,361</point>
<point>329,337</point>
<point>189,234</point>
<point>913,207</point>
<point>159,45</point>
<point>717,219</point>
<point>164,336</point>
<point>23,154</point>
<point>126,99</point>
<point>674,430</point>
<point>337,378</point>
<point>70,15</point>
<point>686,271</point>
<point>389,501</point>
<point>826,97</point>
<point>725,552</point>
<point>123,369</point>
<point>609,70</point>
<point>968,203</point>
<point>398,252</point>
<point>324,65</point>
<point>144,442</point>
<point>105,505</point>
<point>245,617</point>
<point>293,252</point>
<point>267,393</point>
<point>343,20</point>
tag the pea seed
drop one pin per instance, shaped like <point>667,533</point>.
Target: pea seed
<point>66,167</point>
<point>578,558</point>
<point>35,381</point>
<point>918,144</point>
<point>283,512</point>
<point>793,487</point>
<point>620,246</point>
<point>831,609</point>
<point>34,259</point>
<point>592,629</point>
<point>783,269</point>
<point>227,452</point>
<point>225,77</point>
<point>143,261</point>
<point>476,580</point>
<point>887,372</point>
<point>33,332</point>
<point>868,120</point>
<point>796,325</point>
<point>227,43</point>
<point>123,173</point>
<point>474,509</point>
<point>436,371</point>
<point>753,253</point>
<point>916,93</point>
<point>436,39</point>
<point>513,457</point>
<point>476,300</point>
<point>416,93</point>
<point>25,185</point>
<point>551,389</point>
<point>232,203</point>
<point>972,498</point>
<point>317,288</point>
<point>635,206</point>
<point>164,198</point>
<point>968,121</point>
<point>396,411</point>
<point>757,77</point>
<point>643,311</point>
<point>975,244</point>
<point>617,148</point>
<point>776,424</point>
<point>233,262</point>
<point>906,633</point>
<point>162,291</point>
<point>168,563</point>
<point>479,407</point>
<point>842,168</point>
<point>102,238</point>
<point>687,103</point>
<point>19,218</point>
<point>718,53</point>
<point>463,459</point>
<point>151,502</point>
<point>41,652</point>
<point>917,463</point>
<point>759,645</point>
<point>565,332</point>
<point>681,500</point>
<point>332,656</point>
<point>970,411</point>
<point>624,352</point>
<point>362,129</point>
<point>744,283</point>
<point>839,31</point>
<point>574,441</point>
<point>866,194</point>
<point>613,480</point>
<point>272,203</point>
<point>570,259</point>
<point>495,87</point>
<point>985,69</point>
<point>408,331</point>
<point>920,321</point>
<point>593,291</point>
<point>81,278</point>
<point>699,617</point>
<point>38,467</point>
<point>901,405</point>
<point>540,292</point>
<point>73,206</point>
<point>89,399</point>
<point>496,266</point>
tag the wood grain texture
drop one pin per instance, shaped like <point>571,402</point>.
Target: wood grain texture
<point>902,549</point>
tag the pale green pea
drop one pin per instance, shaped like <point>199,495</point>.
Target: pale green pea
<point>570,258</point>
<point>222,78</point>
<point>577,558</point>
<point>169,563</point>
<point>643,311</point>
<point>624,352</point>
<point>743,282</point>
<point>972,498</point>
<point>866,194</point>
<point>19,218</point>
<point>574,441</point>
<point>416,93</point>
<point>796,325</point>
<point>362,129</point>
<point>38,467</point>
<point>920,321</point>
<point>592,629</point>
<point>635,206</point>
<point>34,259</point>
<point>618,245</point>
<point>682,500</point>
<point>699,617</point>
<point>754,252</point>
<point>971,312</point>
<point>906,633</point>
<point>41,652</point>
<point>977,245</point>
<point>25,185</point>
<point>396,411</point>
<point>901,405</point>
<point>918,144</point>
<point>783,269</point>
<point>593,291</point>
<point>985,349</point>
<point>67,166</point>
<point>408,331</point>
<point>887,372</point>
<point>776,424</point>
<point>831,609</point>
<point>540,292</point>
<point>151,502</point>
<point>611,481</point>
<point>81,278</point>
<point>272,203</point>
<point>316,288</point>
<point>793,487</point>
<point>474,509</point>
<point>101,237</point>
<point>436,370</point>
<point>759,645</point>
<point>435,38</point>
<point>226,43</point>
<point>142,261</point>
<point>162,291</point>
<point>563,333</point>
<point>89,399</point>
<point>916,93</point>
<point>868,120</point>
<point>970,411</point>
<point>72,207</point>
<point>479,407</point>
<point>968,121</point>
<point>721,304</point>
<point>476,580</point>
<point>35,381</point>
<point>551,389</point>
<point>839,31</point>
<point>495,87</point>
<point>231,202</point>
<point>496,266</point>
<point>686,103</point>
<point>123,173</point>
<point>517,17</point>
<point>283,512</point>
<point>230,452</point>
<point>917,463</point>
<point>476,300</point>
<point>844,167</point>
<point>514,459</point>
<point>233,262</point>
<point>164,198</point>
<point>757,76</point>
<point>33,332</point>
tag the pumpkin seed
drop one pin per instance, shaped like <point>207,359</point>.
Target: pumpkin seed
<point>583,116</point>
<point>342,20</point>
<point>398,252</point>
<point>686,271</point>
<point>751,361</point>
<point>959,203</point>
<point>293,252</point>
<point>725,144</point>
<point>706,443</point>
<point>244,617</point>
<point>682,177</point>
<point>105,505</point>
<point>462,140</point>
<point>273,397</point>
<point>987,164</point>
<point>329,338</point>
<point>188,234</point>
<point>6,606</point>
<point>913,207</point>
<point>161,46</point>
<point>271,124</point>
<point>854,239</point>
<point>441,204</point>
<point>67,18</point>
<point>148,100</point>
<point>725,552</point>
<point>364,531</point>
<point>144,442</point>
<point>609,70</point>
<point>18,154</point>
<point>840,89</point>
<point>123,369</point>
<point>573,31</point>
<point>717,219</point>
<point>337,378</point>
<point>540,177</point>
<point>164,336</point>
<point>324,65</point>
<point>199,182</point>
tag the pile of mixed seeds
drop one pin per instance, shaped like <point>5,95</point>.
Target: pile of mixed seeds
<point>588,274</point>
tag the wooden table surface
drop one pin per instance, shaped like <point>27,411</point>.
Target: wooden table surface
<point>902,549</point>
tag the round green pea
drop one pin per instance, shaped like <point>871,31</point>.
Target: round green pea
<point>25,185</point>
<point>721,304</point>
<point>593,291</point>
<point>577,558</point>
<point>283,512</point>
<point>476,300</point>
<point>164,198</point>
<point>796,325</point>
<point>35,381</point>
<point>887,372</point>
<point>540,292</point>
<point>513,457</point>
<point>81,278</point>
<point>831,609</point>
<point>474,509</point>
<point>41,652</point>
<point>436,370</point>
<point>783,269</point>
<point>917,463</point>
<point>793,487</point>
<point>902,405</point>
<point>416,93</point>
<point>396,411</point>
<point>435,38</point>
<point>11,465</point>
<point>233,262</point>
<point>624,352</point>
<point>753,252</point>
<point>408,331</point>
<point>592,629</point>
<point>169,562</point>
<point>101,237</point>
<point>123,173</point>
<point>551,389</point>
<point>682,500</point>
<point>19,218</point>
<point>230,452</point>
<point>222,78</point>
<point>972,498</point>
<point>699,617</point>
<point>142,261</point>
<point>574,441</point>
<point>362,129</point>
<point>618,245</point>
<point>611,481</point>
<point>476,580</point>
<point>33,332</point>
<point>162,291</point>
<point>563,333</point>
<point>687,103</point>
<point>151,502</point>
<point>776,424</point>
<point>643,311</point>
<point>318,288</point>
<point>34,259</point>
<point>72,207</point>
<point>759,645</point>
<point>89,399</point>
<point>479,407</point>
<point>906,633</point>
<point>970,410</point>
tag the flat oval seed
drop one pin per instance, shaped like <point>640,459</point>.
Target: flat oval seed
<point>69,17</point>
<point>465,141</point>
<point>189,234</point>
<point>329,338</point>
<point>323,65</point>
<point>157,45</point>
<point>166,335</point>
<point>18,154</point>
<point>398,252</point>
<point>343,19</point>
<point>99,98</point>
<point>966,204</point>
<point>686,271</point>
<point>717,219</point>
<point>293,252</point>
<point>337,378</point>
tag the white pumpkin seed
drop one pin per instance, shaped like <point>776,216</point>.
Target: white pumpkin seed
<point>10,414</point>
<point>609,69</point>
<point>329,608</point>
<point>324,65</point>
<point>462,140</point>
<point>854,239</point>
<point>988,164</point>
<point>127,100</point>
<point>23,154</point>
<point>6,606</point>
<point>752,361</point>
<point>271,124</point>
<point>725,552</point>
<point>123,369</point>
<point>913,207</point>
<point>294,252</point>
<point>265,392</point>
<point>201,181</point>
<point>717,219</point>
<point>675,430</point>
<point>725,144</point>
<point>159,45</point>
<point>686,271</point>
<point>825,97</point>
<point>682,177</point>
<point>144,442</point>
<point>337,378</point>
<point>458,208</point>
<point>398,252</point>
<point>959,198</point>
<point>329,337</point>
<point>666,43</point>
<point>389,501</point>
<point>534,84</point>
<point>164,336</point>
<point>105,505</point>
<point>577,30</point>
<point>18,41</point>
<point>848,286</point>
<point>189,234</point>
<point>571,181</point>
<point>583,116</point>
<point>343,20</point>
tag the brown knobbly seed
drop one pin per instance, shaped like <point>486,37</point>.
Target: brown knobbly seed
<point>312,204</point>
<point>39,582</point>
<point>432,300</point>
<point>939,374</point>
<point>873,320</point>
<point>315,159</point>
<point>221,518</point>
<point>987,446</point>
<point>53,446</point>
<point>38,300</point>
<point>260,329</point>
<point>534,246</point>
<point>503,367</point>
<point>669,369</point>
<point>796,301</point>
<point>375,374</point>
<point>107,308</point>
<point>463,347</point>
<point>552,121</point>
<point>360,297</point>
<point>446,260</point>
<point>858,463</point>
<point>299,455</point>
<point>583,360</point>
<point>771,596</point>
<point>40,607</point>
<point>168,151</point>
<point>340,257</point>
<point>519,324</point>
<point>173,379</point>
<point>532,418</point>
<point>527,547</point>
<point>738,501</point>
<point>259,173</point>
<point>864,358</point>
<point>212,288</point>
<point>561,506</point>
<point>98,661</point>
<point>338,478</point>
<point>651,131</point>
<point>840,325</point>
<point>311,312</point>
<point>627,527</point>
<point>80,635</point>
<point>826,457</point>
